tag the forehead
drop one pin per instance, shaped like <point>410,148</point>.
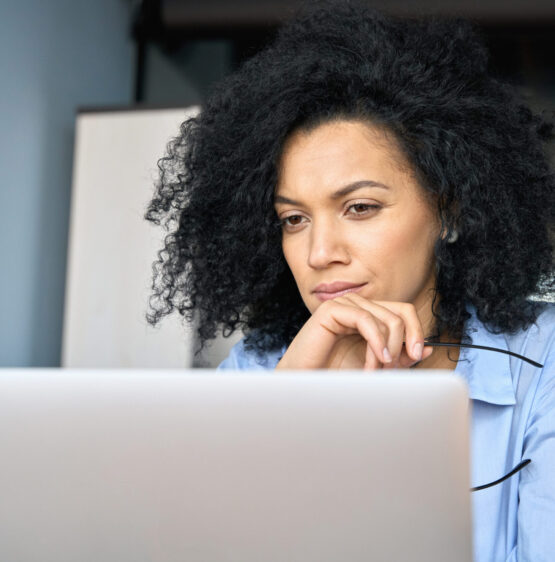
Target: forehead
<point>337,152</point>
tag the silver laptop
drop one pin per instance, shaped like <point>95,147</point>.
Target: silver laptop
<point>190,466</point>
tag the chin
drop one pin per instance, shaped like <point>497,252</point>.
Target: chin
<point>312,304</point>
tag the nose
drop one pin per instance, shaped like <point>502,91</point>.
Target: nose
<point>327,245</point>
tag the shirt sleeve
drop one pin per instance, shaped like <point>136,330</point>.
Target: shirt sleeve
<point>235,359</point>
<point>536,512</point>
<point>241,359</point>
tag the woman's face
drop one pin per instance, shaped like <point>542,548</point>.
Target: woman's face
<point>354,218</point>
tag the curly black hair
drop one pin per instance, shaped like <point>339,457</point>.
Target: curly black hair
<point>472,142</point>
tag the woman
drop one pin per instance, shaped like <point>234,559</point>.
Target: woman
<point>359,192</point>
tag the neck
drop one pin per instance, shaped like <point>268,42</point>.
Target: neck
<point>423,306</point>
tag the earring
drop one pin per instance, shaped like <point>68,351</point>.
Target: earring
<point>453,237</point>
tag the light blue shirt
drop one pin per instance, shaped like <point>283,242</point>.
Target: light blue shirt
<point>513,418</point>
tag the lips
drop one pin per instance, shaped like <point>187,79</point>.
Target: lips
<point>327,291</point>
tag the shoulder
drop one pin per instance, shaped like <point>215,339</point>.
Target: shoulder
<point>542,340</point>
<point>546,319</point>
<point>535,385</point>
<point>243,359</point>
<point>504,379</point>
<point>538,340</point>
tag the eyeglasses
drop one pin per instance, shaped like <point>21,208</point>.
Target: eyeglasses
<point>507,352</point>
<point>518,467</point>
<point>525,462</point>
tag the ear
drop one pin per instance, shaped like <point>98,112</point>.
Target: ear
<point>450,221</point>
<point>453,236</point>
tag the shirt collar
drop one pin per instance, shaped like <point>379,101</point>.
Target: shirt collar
<point>487,373</point>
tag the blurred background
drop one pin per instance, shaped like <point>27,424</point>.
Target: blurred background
<point>61,59</point>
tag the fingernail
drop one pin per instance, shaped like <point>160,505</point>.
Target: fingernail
<point>417,351</point>
<point>386,355</point>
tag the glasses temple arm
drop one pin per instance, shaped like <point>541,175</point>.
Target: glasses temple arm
<point>445,344</point>
<point>518,467</point>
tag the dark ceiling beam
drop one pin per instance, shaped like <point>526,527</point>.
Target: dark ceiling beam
<point>221,13</point>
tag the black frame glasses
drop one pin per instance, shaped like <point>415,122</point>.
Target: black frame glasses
<point>523,463</point>
<point>518,467</point>
<point>487,348</point>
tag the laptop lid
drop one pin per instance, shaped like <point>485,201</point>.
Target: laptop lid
<point>204,466</point>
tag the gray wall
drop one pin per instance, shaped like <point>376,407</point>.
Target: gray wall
<point>54,57</point>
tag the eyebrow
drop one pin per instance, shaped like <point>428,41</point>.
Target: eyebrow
<point>349,188</point>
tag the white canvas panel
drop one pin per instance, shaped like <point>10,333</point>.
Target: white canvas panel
<point>112,246</point>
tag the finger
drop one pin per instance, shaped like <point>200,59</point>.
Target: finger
<point>311,347</point>
<point>371,362</point>
<point>414,332</point>
<point>393,325</point>
<point>392,345</point>
<point>341,319</point>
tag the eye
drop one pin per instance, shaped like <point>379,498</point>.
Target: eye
<point>292,222</point>
<point>362,208</point>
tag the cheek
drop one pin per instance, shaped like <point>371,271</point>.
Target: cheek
<point>380,246</point>
<point>292,256</point>
<point>399,245</point>
<point>422,238</point>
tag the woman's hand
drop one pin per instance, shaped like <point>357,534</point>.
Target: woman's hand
<point>350,332</point>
